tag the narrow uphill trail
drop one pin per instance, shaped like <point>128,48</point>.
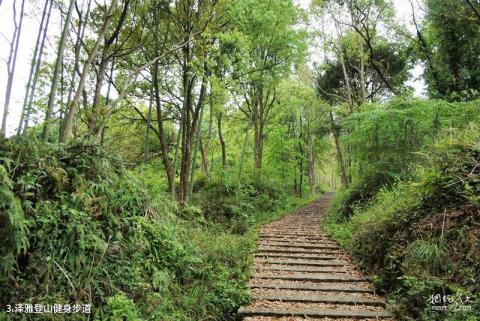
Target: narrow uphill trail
<point>299,273</point>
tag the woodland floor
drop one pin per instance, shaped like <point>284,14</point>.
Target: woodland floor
<point>299,273</point>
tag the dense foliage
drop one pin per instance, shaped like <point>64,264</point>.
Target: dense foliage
<point>411,216</point>
<point>78,227</point>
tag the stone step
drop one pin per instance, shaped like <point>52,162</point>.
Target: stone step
<point>305,251</point>
<point>314,313</point>
<point>322,243</point>
<point>318,287</point>
<point>330,299</point>
<point>283,234</point>
<point>311,277</point>
<point>300,269</point>
<point>303,262</point>
<point>300,245</point>
<point>296,256</point>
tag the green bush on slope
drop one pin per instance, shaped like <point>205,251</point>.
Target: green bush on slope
<point>382,140</point>
<point>421,236</point>
<point>76,227</point>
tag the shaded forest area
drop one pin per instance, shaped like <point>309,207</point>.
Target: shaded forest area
<point>155,136</point>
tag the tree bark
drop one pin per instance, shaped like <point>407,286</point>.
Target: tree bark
<point>95,119</point>
<point>161,133</point>
<point>149,121</point>
<point>56,73</point>
<point>363,81</point>
<point>336,134</point>
<point>258,124</point>
<point>67,128</point>
<point>32,68</point>
<point>76,65</point>
<point>197,143</point>
<point>36,73</point>
<point>205,147</point>
<point>222,141</point>
<point>311,167</point>
<point>11,64</point>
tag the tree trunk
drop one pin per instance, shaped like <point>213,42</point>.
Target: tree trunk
<point>11,64</point>
<point>32,68</point>
<point>311,167</point>
<point>300,147</point>
<point>204,160</point>
<point>222,141</point>
<point>348,88</point>
<point>161,132</point>
<point>56,73</point>
<point>363,82</point>
<point>94,117</point>
<point>258,143</point>
<point>205,147</point>
<point>149,121</point>
<point>336,134</point>
<point>67,128</point>
<point>76,65</point>
<point>188,128</point>
<point>197,143</point>
<point>36,73</point>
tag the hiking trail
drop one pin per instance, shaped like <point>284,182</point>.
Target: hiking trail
<point>300,273</point>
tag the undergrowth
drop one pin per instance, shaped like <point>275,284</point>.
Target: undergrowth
<point>76,227</point>
<point>420,235</point>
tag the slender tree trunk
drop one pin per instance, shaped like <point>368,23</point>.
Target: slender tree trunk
<point>94,114</point>
<point>205,147</point>
<point>110,80</point>
<point>256,144</point>
<point>258,121</point>
<point>197,143</point>
<point>363,81</point>
<point>184,128</point>
<point>222,141</point>
<point>311,167</point>
<point>67,128</point>
<point>192,122</point>
<point>36,73</point>
<point>348,88</point>
<point>149,121</point>
<point>161,134</point>
<point>32,68</point>
<point>204,160</point>
<point>56,73</point>
<point>336,134</point>
<point>12,62</point>
<point>301,169</point>
<point>76,65</point>
<point>244,149</point>
<point>258,129</point>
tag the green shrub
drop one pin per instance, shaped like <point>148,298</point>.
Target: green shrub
<point>234,204</point>
<point>419,235</point>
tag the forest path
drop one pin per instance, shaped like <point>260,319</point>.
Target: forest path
<point>302,274</point>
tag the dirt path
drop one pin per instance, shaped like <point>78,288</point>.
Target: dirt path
<point>301,274</point>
